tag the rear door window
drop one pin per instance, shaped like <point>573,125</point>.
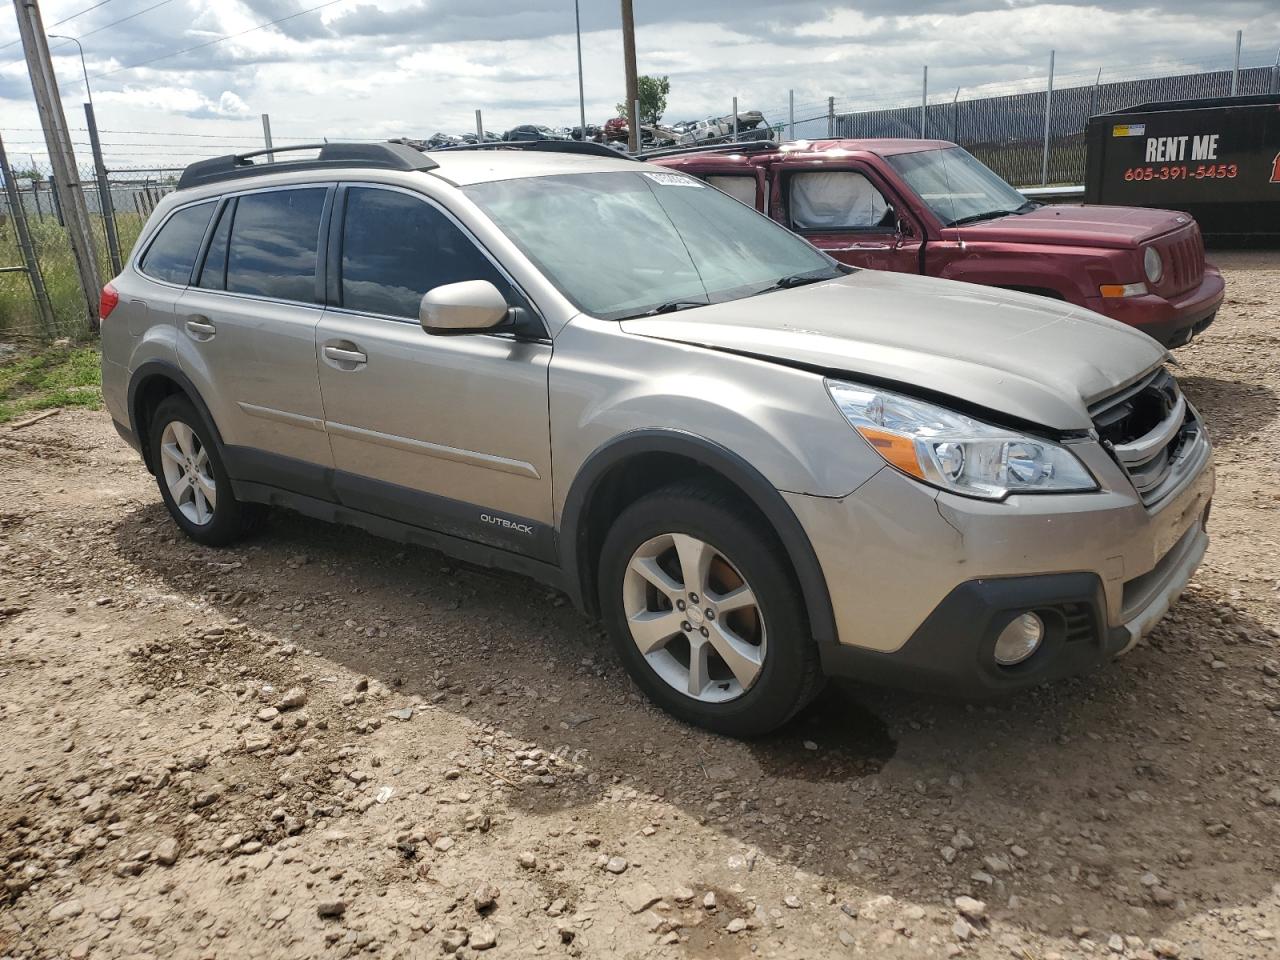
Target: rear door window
<point>173,252</point>
<point>396,247</point>
<point>836,200</point>
<point>274,240</point>
<point>741,188</point>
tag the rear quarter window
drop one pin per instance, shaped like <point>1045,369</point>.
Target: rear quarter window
<point>739,186</point>
<point>172,253</point>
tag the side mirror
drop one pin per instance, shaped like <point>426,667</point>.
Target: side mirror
<point>466,307</point>
<point>904,228</point>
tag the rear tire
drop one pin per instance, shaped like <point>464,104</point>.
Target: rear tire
<point>700,603</point>
<point>192,479</point>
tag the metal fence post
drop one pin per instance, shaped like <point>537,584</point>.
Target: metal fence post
<point>638,132</point>
<point>104,192</point>
<point>1235,69</point>
<point>955,116</point>
<point>480,129</point>
<point>1275,74</point>
<point>831,116</point>
<point>35,194</point>
<point>735,119</point>
<point>1048,106</point>
<point>28,248</point>
<point>924,101</point>
<point>1093,97</point>
<point>791,115</point>
<point>266,137</point>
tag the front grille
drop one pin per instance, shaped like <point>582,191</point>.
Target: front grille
<point>1152,432</point>
<point>1183,255</point>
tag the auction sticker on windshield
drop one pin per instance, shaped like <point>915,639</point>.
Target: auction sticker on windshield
<point>674,180</point>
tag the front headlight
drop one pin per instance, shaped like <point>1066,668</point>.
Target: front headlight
<point>955,452</point>
<point>1153,265</point>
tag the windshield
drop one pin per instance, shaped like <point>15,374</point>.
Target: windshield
<point>626,244</point>
<point>957,186</point>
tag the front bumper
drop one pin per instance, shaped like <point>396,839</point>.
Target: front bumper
<point>922,581</point>
<point>1172,321</point>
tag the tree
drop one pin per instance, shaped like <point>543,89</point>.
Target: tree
<point>653,99</point>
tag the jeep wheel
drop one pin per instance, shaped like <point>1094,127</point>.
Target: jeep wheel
<point>704,612</point>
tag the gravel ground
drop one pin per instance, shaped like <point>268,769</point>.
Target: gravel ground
<point>319,744</point>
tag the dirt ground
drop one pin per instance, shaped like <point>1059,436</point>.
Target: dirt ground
<point>320,744</point>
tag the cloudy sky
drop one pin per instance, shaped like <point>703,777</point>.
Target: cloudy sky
<point>410,67</point>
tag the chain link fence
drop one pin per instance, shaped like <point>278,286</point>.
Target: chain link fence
<point>134,194</point>
<point>1004,126</point>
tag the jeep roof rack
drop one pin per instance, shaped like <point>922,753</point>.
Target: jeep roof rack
<point>584,147</point>
<point>742,146</point>
<point>234,166</point>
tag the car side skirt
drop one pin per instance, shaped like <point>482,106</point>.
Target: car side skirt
<point>440,522</point>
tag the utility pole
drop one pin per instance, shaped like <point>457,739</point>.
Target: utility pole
<point>57,138</point>
<point>633,87</point>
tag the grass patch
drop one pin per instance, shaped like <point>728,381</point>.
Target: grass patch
<point>51,377</point>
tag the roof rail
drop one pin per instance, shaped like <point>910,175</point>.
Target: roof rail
<point>584,147</point>
<point>742,146</point>
<point>235,166</point>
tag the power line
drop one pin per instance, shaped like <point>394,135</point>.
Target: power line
<point>210,43</point>
<point>97,29</point>
<point>101,3</point>
<point>123,19</point>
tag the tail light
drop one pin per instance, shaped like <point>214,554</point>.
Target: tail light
<point>107,301</point>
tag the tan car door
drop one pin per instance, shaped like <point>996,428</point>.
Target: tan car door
<point>450,433</point>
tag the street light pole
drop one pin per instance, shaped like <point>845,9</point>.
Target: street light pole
<point>85,70</point>
<point>582,102</point>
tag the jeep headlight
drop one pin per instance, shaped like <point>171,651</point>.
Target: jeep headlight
<point>1152,264</point>
<point>955,452</point>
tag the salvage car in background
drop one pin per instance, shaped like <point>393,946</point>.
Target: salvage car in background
<point>929,207</point>
<point>533,131</point>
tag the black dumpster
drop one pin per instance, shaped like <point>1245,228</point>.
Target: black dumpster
<point>1217,159</point>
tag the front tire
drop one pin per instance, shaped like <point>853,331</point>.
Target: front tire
<point>701,605</point>
<point>192,479</point>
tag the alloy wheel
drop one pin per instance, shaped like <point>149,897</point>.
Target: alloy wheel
<point>187,472</point>
<point>694,618</point>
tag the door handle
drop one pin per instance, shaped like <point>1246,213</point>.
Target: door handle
<point>341,355</point>
<point>200,328</point>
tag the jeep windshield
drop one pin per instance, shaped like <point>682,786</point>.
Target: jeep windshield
<point>958,187</point>
<point>625,244</point>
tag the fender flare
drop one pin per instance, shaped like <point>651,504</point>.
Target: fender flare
<point>734,468</point>
<point>170,371</point>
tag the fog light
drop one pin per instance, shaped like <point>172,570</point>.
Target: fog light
<point>1019,640</point>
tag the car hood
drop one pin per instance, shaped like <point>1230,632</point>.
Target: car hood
<point>1078,226</point>
<point>1018,355</point>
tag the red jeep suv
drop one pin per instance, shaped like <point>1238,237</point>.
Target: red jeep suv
<point>930,207</point>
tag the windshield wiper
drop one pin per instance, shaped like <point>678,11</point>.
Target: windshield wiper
<point>795,280</point>
<point>978,217</point>
<point>671,306</point>
<point>1026,207</point>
